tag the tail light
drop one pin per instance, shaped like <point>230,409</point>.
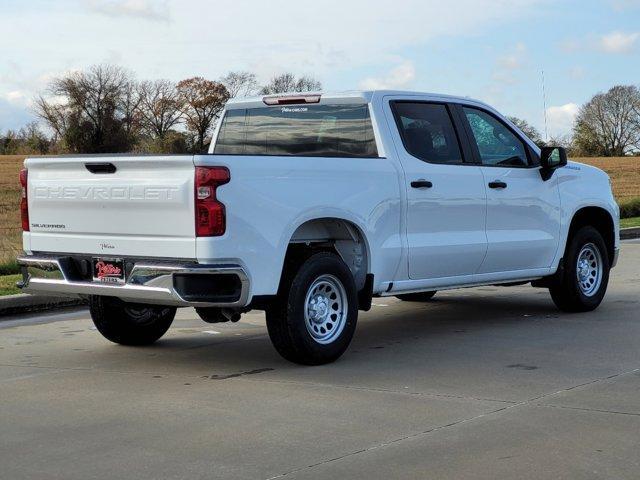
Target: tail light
<point>210,213</point>
<point>24,201</point>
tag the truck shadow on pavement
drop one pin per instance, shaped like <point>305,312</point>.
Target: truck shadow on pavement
<point>408,331</point>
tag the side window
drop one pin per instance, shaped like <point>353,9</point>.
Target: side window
<point>498,146</point>
<point>427,132</point>
<point>231,138</point>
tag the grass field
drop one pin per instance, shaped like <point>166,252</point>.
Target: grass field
<point>630,222</point>
<point>624,173</point>
<point>10,229</point>
<point>8,284</point>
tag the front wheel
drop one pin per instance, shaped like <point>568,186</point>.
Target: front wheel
<point>313,320</point>
<point>130,324</point>
<point>583,284</point>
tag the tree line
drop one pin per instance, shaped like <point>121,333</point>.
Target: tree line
<point>106,110</point>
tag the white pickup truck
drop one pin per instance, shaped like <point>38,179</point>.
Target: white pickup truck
<point>309,205</point>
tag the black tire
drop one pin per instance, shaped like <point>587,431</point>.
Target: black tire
<point>566,291</point>
<point>417,297</point>
<point>130,324</point>
<point>286,321</point>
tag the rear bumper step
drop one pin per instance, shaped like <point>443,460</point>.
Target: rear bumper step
<point>182,285</point>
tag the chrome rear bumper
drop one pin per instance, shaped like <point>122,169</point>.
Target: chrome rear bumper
<point>146,283</point>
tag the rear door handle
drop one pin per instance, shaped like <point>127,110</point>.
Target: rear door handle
<point>497,184</point>
<point>421,184</point>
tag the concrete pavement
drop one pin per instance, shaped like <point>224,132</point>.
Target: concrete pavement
<point>487,382</point>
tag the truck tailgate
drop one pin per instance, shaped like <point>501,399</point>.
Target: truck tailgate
<point>143,208</point>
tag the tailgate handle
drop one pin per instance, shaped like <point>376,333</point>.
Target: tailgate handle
<point>101,167</point>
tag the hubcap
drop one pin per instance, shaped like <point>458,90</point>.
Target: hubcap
<point>325,309</point>
<point>589,269</point>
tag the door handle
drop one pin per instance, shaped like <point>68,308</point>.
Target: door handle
<point>497,184</point>
<point>421,184</point>
<point>100,167</point>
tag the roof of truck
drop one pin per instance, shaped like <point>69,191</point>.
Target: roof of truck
<point>350,96</point>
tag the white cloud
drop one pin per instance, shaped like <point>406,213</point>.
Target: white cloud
<point>576,73</point>
<point>339,42</point>
<point>15,96</point>
<point>618,42</point>
<point>621,5</point>
<point>508,64</point>
<point>13,116</point>
<point>560,118</point>
<point>147,9</point>
<point>515,58</point>
<point>398,77</point>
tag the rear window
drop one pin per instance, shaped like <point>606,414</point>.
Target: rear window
<point>298,130</point>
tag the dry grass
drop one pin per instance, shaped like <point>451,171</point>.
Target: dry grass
<point>10,229</point>
<point>624,172</point>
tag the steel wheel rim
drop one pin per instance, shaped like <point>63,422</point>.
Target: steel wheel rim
<point>589,269</point>
<point>325,309</point>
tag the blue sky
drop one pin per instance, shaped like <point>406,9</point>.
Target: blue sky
<point>492,50</point>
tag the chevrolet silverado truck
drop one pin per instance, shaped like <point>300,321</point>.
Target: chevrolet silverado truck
<point>309,205</point>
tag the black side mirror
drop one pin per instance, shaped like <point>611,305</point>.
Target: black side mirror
<point>550,159</point>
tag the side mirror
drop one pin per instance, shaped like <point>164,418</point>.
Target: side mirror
<point>550,159</point>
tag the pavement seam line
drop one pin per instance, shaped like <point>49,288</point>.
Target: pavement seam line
<point>586,409</point>
<point>524,403</point>
<point>380,390</point>
<point>89,369</point>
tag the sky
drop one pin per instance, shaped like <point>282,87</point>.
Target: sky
<point>492,50</point>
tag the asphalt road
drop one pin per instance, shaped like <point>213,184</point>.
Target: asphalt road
<point>482,383</point>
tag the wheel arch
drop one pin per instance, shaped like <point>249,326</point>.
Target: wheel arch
<point>598,218</point>
<point>339,235</point>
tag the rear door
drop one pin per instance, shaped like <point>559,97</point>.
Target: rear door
<point>523,210</point>
<point>139,206</point>
<point>446,198</point>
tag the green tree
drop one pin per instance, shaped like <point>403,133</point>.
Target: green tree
<point>609,123</point>
<point>528,129</point>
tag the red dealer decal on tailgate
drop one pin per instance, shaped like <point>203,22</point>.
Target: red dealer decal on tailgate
<point>107,270</point>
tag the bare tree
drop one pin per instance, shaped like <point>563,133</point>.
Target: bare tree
<point>54,114</point>
<point>129,106</point>
<point>609,123</point>
<point>287,82</point>
<point>528,129</point>
<point>201,102</point>
<point>565,141</point>
<point>160,108</point>
<point>240,84</point>
<point>82,108</point>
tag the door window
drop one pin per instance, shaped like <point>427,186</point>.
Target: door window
<point>427,132</point>
<point>497,144</point>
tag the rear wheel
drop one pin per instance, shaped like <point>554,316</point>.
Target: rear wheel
<point>314,317</point>
<point>127,323</point>
<point>417,297</point>
<point>585,276</point>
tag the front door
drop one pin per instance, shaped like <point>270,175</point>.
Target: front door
<point>446,197</point>
<point>523,210</point>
